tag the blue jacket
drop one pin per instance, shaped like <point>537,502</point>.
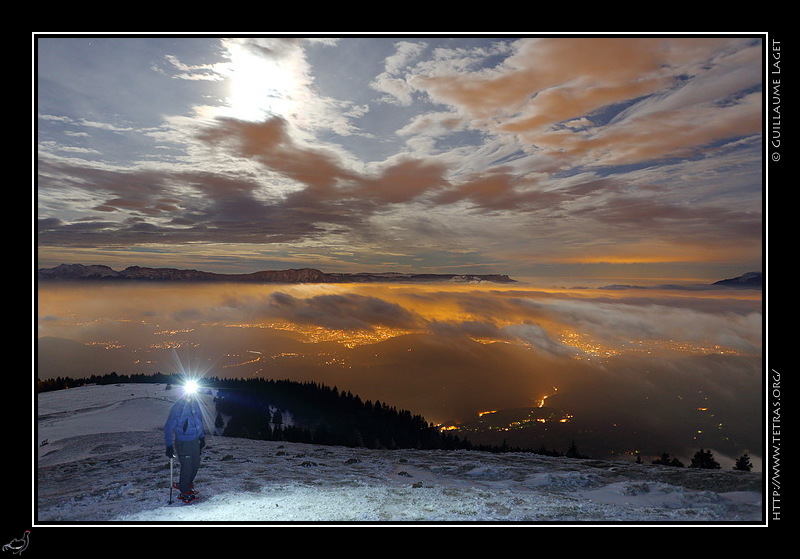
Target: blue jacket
<point>185,422</point>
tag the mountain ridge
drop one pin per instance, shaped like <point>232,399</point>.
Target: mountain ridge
<point>82,272</point>
<point>748,280</point>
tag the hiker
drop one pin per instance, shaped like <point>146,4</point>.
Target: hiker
<point>185,438</point>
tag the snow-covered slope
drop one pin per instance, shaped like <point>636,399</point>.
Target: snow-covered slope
<point>101,458</point>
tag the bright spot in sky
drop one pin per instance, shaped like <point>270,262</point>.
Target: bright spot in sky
<point>258,85</point>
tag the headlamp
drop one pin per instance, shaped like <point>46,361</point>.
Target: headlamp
<point>190,387</point>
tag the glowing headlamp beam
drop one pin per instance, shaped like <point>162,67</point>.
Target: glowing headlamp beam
<point>190,387</point>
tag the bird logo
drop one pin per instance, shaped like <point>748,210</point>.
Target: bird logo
<point>18,545</point>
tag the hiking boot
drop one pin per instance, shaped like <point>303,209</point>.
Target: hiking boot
<point>187,497</point>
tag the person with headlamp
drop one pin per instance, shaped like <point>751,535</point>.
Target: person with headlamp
<point>184,437</point>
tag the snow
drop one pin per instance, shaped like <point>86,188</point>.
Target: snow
<point>101,459</point>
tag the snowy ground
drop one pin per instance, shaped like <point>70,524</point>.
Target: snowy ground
<point>101,458</point>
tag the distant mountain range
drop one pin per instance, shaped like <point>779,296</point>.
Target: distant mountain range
<point>750,280</point>
<point>81,272</point>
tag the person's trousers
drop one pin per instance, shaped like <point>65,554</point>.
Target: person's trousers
<point>189,457</point>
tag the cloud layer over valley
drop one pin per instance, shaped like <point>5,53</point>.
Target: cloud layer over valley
<point>664,368</point>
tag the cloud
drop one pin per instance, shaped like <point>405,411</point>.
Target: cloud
<point>346,311</point>
<point>621,322</point>
<point>539,338</point>
<point>392,82</point>
<point>548,81</point>
<point>196,206</point>
<point>499,189</point>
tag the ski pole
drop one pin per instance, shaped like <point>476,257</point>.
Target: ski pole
<point>170,479</point>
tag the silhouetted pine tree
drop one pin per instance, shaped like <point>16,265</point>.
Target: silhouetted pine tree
<point>572,452</point>
<point>743,463</point>
<point>703,459</point>
<point>665,460</point>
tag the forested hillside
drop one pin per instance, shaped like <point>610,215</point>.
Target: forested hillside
<point>283,410</point>
<point>257,409</point>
